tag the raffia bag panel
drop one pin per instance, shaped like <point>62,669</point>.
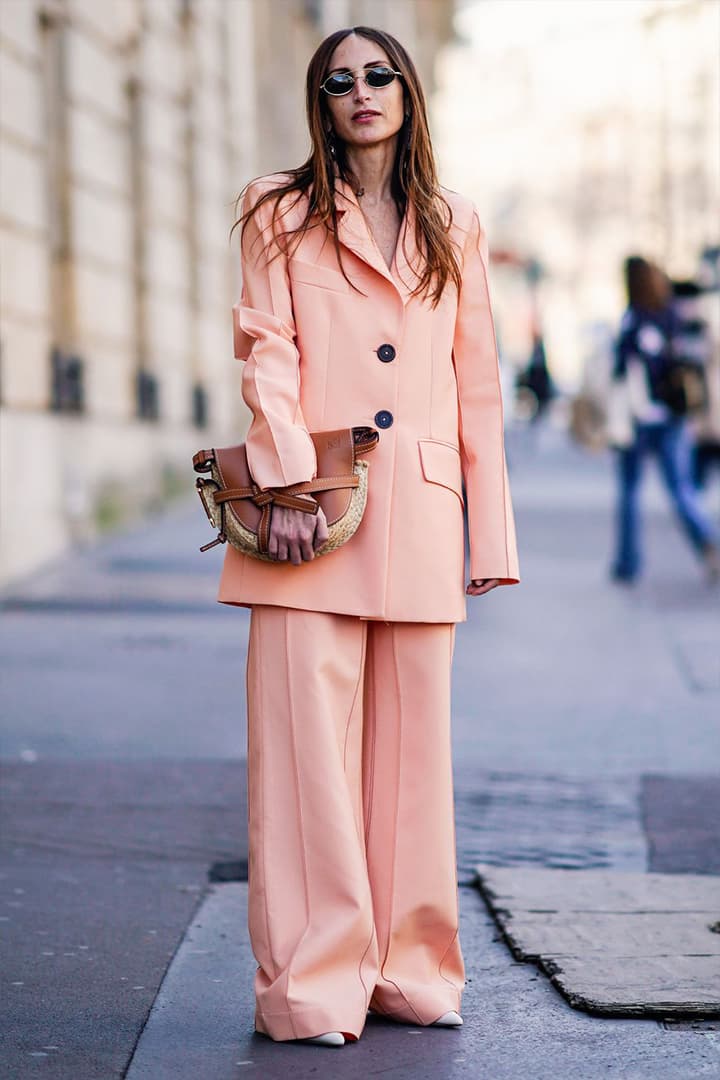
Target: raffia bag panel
<point>241,511</point>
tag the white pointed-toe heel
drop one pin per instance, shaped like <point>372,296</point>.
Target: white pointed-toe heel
<point>448,1019</point>
<point>330,1038</point>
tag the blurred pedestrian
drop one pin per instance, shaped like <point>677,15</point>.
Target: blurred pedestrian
<point>646,345</point>
<point>535,378</point>
<point>698,310</point>
<point>365,302</point>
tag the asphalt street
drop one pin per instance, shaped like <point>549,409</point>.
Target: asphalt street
<point>585,736</point>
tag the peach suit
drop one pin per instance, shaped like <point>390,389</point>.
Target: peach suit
<point>352,879</point>
<point>314,361</point>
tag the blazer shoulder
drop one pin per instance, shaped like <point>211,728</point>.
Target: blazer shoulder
<point>290,208</point>
<point>259,185</point>
<point>462,208</point>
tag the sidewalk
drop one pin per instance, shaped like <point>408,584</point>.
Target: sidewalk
<point>584,727</point>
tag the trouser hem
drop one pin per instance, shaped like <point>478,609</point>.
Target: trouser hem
<point>306,1023</point>
<point>422,1009</point>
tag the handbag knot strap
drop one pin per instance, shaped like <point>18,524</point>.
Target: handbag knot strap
<point>285,497</point>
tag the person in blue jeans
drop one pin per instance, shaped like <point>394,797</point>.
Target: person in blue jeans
<point>643,346</point>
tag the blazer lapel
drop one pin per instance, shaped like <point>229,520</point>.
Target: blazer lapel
<point>407,255</point>
<point>354,234</point>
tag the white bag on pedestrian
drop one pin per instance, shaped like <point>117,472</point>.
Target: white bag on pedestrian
<point>619,416</point>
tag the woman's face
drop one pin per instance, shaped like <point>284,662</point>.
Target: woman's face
<point>366,116</point>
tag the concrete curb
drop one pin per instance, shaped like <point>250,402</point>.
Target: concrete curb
<point>199,1003</point>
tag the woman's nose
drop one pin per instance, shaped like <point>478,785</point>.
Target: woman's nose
<point>360,91</point>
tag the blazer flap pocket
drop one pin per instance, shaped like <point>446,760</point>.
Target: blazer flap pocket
<point>441,464</point>
<point>324,277</point>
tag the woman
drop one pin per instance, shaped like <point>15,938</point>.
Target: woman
<point>364,302</point>
<point>648,332</point>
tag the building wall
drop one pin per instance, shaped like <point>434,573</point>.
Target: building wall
<point>127,129</point>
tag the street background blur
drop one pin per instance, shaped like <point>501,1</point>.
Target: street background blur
<point>583,130</point>
<point>585,714</point>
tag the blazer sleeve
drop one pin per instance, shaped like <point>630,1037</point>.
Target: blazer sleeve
<point>279,448</point>
<point>491,524</point>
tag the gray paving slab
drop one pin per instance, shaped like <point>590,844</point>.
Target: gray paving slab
<point>680,815</point>
<point>156,562</point>
<point>516,1024</point>
<point>606,937</point>
<point>551,820</point>
<point>615,943</point>
<point>121,651</point>
<point>598,891</point>
<point>674,986</point>
<point>102,866</point>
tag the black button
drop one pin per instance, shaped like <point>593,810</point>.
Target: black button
<point>386,353</point>
<point>383,419</point>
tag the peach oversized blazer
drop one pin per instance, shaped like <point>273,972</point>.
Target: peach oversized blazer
<point>313,361</point>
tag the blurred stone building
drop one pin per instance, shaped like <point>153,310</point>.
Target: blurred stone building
<point>127,129</point>
<point>585,131</point>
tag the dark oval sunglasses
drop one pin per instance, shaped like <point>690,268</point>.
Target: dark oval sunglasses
<point>342,82</point>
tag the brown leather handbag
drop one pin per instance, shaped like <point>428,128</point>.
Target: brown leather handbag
<point>241,510</point>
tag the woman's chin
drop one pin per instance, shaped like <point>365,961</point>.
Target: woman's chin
<point>361,140</point>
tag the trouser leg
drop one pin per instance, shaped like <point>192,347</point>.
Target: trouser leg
<point>310,908</point>
<point>675,450</point>
<point>706,454</point>
<point>627,560</point>
<point>410,825</point>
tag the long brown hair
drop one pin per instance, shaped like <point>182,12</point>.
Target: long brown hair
<point>646,284</point>
<point>414,177</point>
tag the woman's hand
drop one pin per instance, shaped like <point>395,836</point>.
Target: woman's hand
<point>296,536</point>
<point>480,586</point>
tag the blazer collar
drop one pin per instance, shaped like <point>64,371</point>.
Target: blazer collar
<point>354,234</point>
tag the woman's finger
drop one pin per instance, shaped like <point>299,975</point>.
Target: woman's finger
<point>306,548</point>
<point>321,530</point>
<point>480,586</point>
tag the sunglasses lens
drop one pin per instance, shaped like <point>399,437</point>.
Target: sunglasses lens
<point>336,85</point>
<point>343,82</point>
<point>379,76</point>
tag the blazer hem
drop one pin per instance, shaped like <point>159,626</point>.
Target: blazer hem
<point>388,616</point>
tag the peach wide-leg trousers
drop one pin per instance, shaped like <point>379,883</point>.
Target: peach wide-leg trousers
<point>353,893</point>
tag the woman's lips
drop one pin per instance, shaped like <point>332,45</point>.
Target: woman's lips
<point>364,117</point>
